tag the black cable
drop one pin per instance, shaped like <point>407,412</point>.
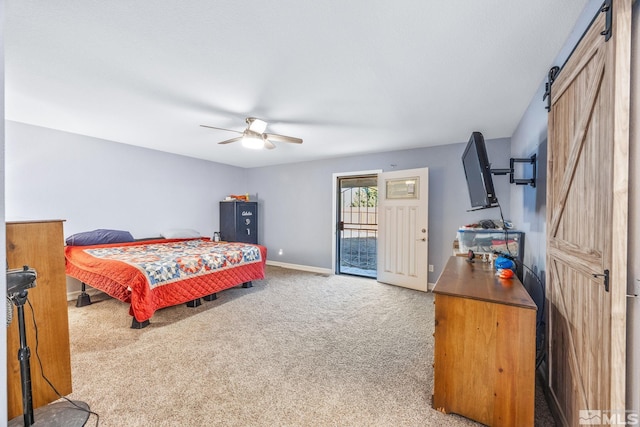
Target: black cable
<point>506,231</point>
<point>35,329</point>
<point>539,323</point>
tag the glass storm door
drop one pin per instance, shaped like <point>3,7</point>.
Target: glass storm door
<point>357,225</point>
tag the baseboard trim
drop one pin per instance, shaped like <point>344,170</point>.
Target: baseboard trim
<point>308,268</point>
<point>72,296</point>
<point>320,270</point>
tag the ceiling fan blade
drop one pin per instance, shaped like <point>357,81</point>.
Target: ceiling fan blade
<point>282,138</point>
<point>269,145</point>
<point>229,141</point>
<point>213,127</point>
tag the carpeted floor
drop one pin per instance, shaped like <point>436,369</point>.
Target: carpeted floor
<point>297,349</point>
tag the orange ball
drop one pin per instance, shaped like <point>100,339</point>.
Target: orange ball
<point>506,274</point>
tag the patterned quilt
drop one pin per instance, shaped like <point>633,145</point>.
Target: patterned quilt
<point>164,263</point>
<point>160,273</point>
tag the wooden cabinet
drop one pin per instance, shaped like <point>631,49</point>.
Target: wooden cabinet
<point>484,359</point>
<point>40,245</point>
<point>239,221</point>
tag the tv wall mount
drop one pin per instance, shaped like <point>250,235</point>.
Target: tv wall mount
<point>519,181</point>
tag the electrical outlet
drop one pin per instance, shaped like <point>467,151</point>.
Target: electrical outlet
<point>430,268</point>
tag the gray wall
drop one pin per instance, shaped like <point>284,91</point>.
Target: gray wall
<point>528,206</point>
<point>296,200</point>
<point>92,183</point>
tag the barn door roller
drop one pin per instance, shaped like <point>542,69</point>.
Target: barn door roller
<point>553,73</point>
<point>607,7</point>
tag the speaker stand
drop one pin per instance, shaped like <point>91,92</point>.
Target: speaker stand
<point>57,414</point>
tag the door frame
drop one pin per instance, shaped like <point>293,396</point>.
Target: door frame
<point>334,208</point>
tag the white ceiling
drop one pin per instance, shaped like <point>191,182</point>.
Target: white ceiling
<point>347,76</point>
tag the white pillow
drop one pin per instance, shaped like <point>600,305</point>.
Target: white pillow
<point>179,233</point>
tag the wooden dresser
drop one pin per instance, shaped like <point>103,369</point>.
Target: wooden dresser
<point>484,359</point>
<point>40,245</point>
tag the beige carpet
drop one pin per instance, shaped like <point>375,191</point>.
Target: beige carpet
<point>297,349</point>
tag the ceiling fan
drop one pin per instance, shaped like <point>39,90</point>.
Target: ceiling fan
<point>254,135</point>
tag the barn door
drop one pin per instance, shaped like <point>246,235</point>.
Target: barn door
<point>587,223</point>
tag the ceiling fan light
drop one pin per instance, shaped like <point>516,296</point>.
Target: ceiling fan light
<point>253,142</point>
<point>257,125</point>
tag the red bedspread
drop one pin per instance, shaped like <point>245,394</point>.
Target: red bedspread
<point>160,273</point>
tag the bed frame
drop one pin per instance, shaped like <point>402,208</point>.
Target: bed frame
<point>154,274</point>
<point>84,299</point>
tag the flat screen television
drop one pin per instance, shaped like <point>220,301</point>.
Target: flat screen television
<point>477,170</point>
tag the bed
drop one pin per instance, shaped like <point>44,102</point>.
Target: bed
<point>158,273</point>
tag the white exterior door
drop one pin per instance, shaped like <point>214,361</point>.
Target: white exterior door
<point>402,228</point>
